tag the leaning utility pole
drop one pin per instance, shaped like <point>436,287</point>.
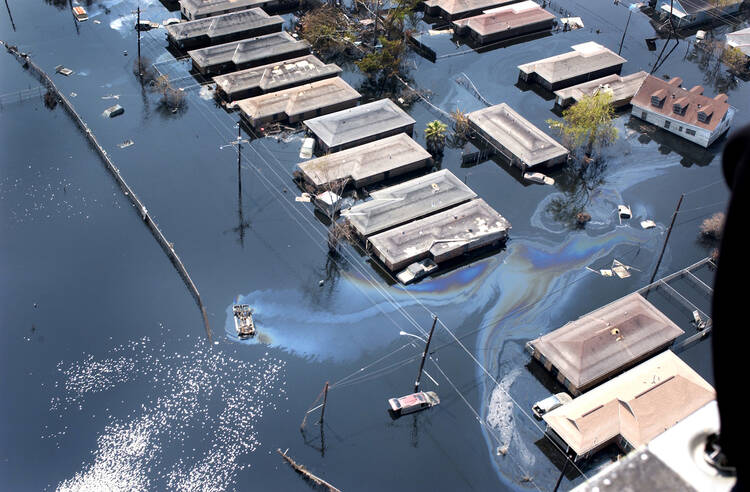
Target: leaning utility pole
<point>138,29</point>
<point>424,355</point>
<point>669,231</point>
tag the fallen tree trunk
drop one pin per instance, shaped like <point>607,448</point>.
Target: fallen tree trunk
<point>303,471</point>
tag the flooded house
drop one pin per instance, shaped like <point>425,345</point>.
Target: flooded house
<point>238,55</point>
<point>458,9</point>
<point>199,9</point>
<point>273,77</point>
<point>688,13</point>
<point>519,141</point>
<point>505,22</point>
<point>360,125</point>
<point>631,409</point>
<point>587,61</point>
<point>442,236</point>
<point>686,113</point>
<point>411,200</point>
<point>604,342</point>
<point>298,103</point>
<point>621,88</point>
<point>222,29</point>
<point>741,41</point>
<point>366,164</point>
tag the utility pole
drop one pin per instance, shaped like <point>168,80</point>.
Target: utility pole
<point>669,231</point>
<point>630,12</point>
<point>424,355</point>
<point>238,142</point>
<point>138,29</point>
<point>325,400</point>
<point>10,16</point>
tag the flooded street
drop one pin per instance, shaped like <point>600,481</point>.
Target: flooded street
<point>109,380</point>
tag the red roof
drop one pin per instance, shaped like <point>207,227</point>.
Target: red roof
<point>664,97</point>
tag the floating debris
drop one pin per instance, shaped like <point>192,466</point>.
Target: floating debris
<point>571,23</point>
<point>305,197</point>
<point>80,13</point>
<point>648,224</point>
<point>111,96</point>
<point>63,71</point>
<point>624,212</point>
<point>97,21</point>
<point>73,94</point>
<point>126,143</point>
<point>620,269</point>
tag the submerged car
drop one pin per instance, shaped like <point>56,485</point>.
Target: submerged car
<point>413,403</point>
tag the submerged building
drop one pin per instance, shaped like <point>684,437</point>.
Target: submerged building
<point>587,61</point>
<point>631,409</point>
<point>505,22</point>
<point>222,29</point>
<point>687,113</point>
<point>357,126</point>
<point>621,88</point>
<point>686,13</point>
<point>199,9</point>
<point>604,342</point>
<point>366,164</point>
<point>408,201</point>
<point>442,236</point>
<point>237,55</point>
<point>523,144</point>
<point>458,9</point>
<point>298,103</point>
<point>273,77</point>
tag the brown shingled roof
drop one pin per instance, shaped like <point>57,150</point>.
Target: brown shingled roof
<point>695,101</point>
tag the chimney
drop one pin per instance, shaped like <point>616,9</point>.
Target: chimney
<point>675,82</point>
<point>697,90</point>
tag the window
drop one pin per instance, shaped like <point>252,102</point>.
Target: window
<point>680,129</point>
<point>690,132</point>
<point>666,124</point>
<point>643,115</point>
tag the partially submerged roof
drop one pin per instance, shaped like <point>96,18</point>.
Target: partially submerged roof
<point>251,50</point>
<point>506,128</point>
<point>222,25</point>
<point>442,236</point>
<point>298,100</point>
<point>366,163</point>
<point>506,18</point>
<point>637,405</point>
<point>622,88</point>
<point>689,106</point>
<point>457,8</point>
<point>606,340</point>
<point>413,199</point>
<point>266,78</point>
<point>696,6</point>
<point>211,7</point>
<point>740,40</point>
<point>585,58</point>
<point>351,125</point>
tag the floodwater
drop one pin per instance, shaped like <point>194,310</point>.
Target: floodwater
<point>108,380</point>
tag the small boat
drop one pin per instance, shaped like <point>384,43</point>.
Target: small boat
<point>413,403</point>
<point>538,178</point>
<point>80,13</point>
<point>416,270</point>
<point>549,404</point>
<point>243,320</point>
<point>624,212</point>
<point>308,146</point>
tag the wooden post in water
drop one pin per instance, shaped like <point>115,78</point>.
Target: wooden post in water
<point>424,355</point>
<point>669,231</point>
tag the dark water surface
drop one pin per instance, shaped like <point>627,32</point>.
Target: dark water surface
<point>107,379</point>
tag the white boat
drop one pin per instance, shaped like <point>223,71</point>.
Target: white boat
<point>113,111</point>
<point>80,13</point>
<point>308,146</point>
<point>539,178</point>
<point>414,402</point>
<point>243,320</point>
<point>624,211</point>
<point>416,270</point>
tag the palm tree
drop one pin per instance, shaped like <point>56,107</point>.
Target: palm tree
<point>434,134</point>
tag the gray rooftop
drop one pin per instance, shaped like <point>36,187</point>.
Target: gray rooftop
<point>585,58</point>
<point>274,76</point>
<point>622,88</point>
<point>368,163</point>
<point>222,25</point>
<point>358,123</point>
<point>458,8</point>
<point>248,50</point>
<point>211,7</point>
<point>441,236</point>
<point>414,199</point>
<point>288,103</point>
<point>507,129</point>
